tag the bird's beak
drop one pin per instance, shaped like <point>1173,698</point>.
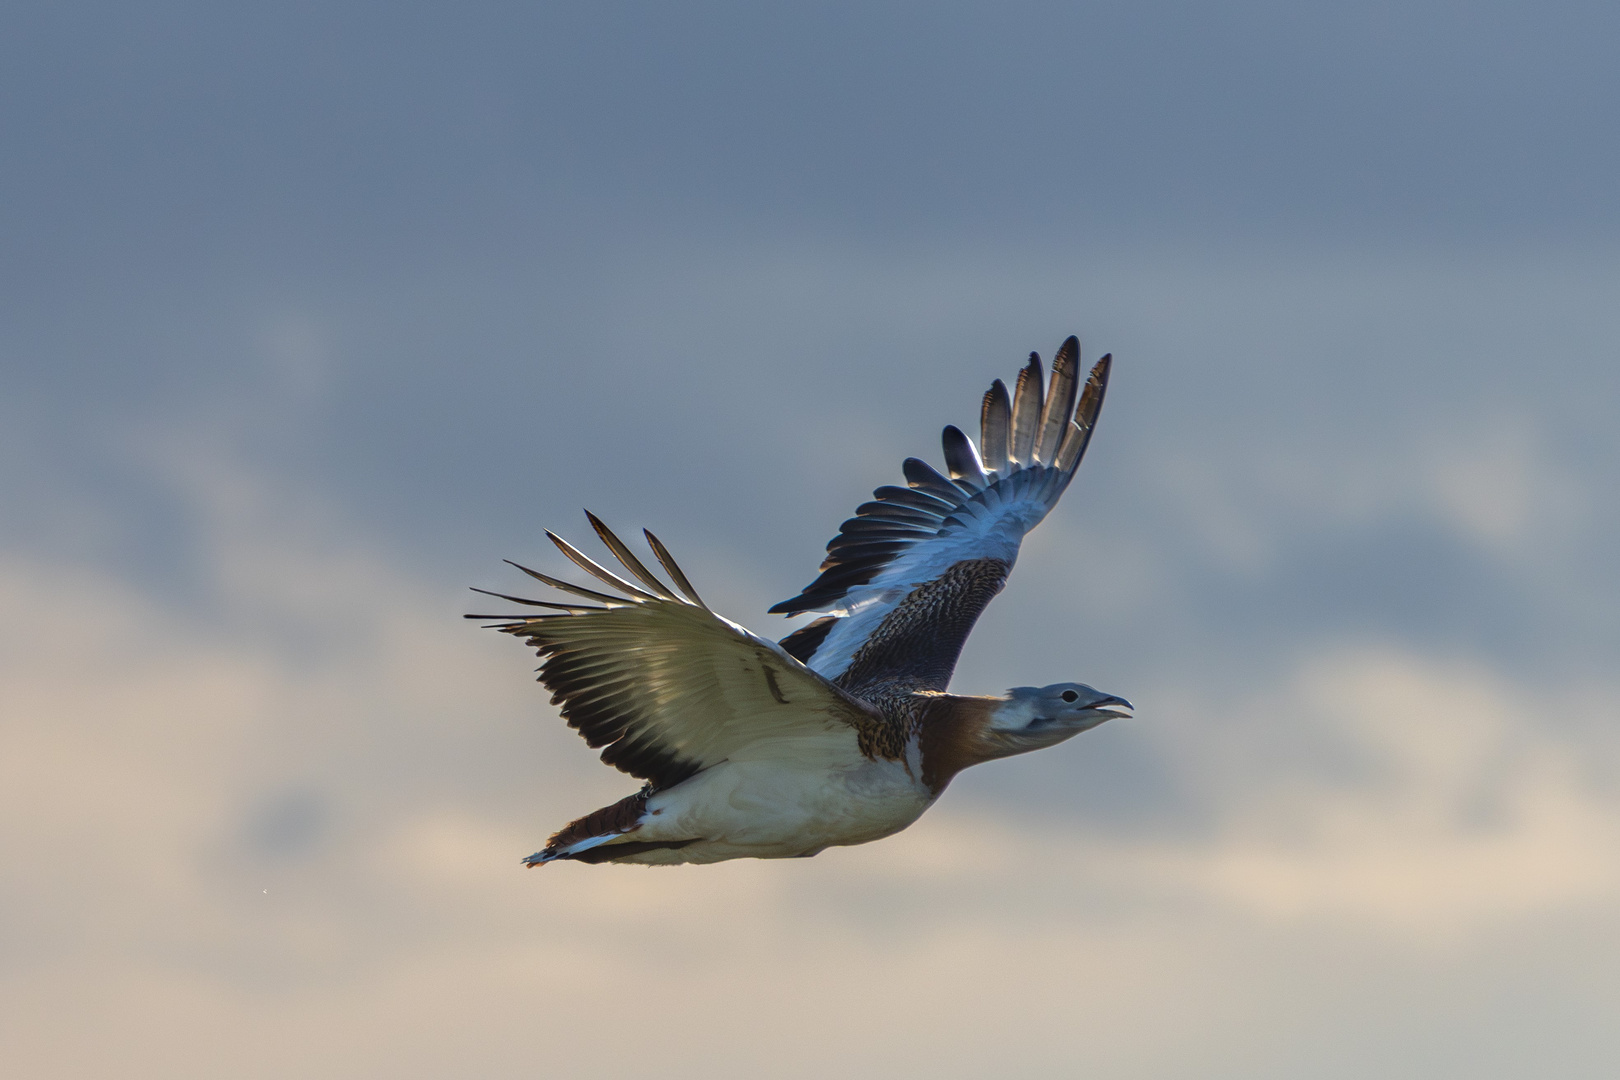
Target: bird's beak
<point>1113,706</point>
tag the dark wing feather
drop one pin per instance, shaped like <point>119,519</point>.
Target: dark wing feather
<point>1026,416</point>
<point>666,688</point>
<point>995,427</point>
<point>916,499</point>
<point>674,572</point>
<point>962,459</point>
<point>1059,400</point>
<point>924,477</point>
<point>627,558</point>
<point>1085,416</point>
<point>906,538</point>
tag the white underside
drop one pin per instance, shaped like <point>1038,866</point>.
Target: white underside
<point>768,809</point>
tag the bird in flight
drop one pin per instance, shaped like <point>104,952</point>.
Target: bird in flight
<point>842,732</point>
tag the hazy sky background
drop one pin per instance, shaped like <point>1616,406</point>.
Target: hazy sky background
<point>309,316</point>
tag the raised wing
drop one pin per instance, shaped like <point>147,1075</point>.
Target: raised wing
<point>666,686</point>
<point>909,539</point>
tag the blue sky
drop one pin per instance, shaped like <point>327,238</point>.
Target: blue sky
<point>311,316</point>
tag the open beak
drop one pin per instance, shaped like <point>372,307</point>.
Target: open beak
<point>1113,706</point>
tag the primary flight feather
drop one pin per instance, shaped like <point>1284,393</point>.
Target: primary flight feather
<point>841,732</point>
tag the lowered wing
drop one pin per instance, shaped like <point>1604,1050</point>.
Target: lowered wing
<point>666,686</point>
<point>918,564</point>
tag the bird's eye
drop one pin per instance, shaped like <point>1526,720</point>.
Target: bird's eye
<point>1070,695</point>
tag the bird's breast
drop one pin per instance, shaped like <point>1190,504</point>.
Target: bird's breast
<point>779,810</point>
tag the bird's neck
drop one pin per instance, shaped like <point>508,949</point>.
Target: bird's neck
<point>954,734</point>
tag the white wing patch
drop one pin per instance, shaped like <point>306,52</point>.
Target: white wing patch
<point>995,494</point>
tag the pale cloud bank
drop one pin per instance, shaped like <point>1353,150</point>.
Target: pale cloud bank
<point>159,925</point>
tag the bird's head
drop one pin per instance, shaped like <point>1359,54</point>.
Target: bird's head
<point>1033,717</point>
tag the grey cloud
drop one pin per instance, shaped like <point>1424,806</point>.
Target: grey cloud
<point>287,824</point>
<point>310,316</point>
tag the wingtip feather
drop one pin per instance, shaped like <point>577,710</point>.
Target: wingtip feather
<point>667,561</point>
<point>1026,411</point>
<point>597,570</point>
<point>628,560</point>
<point>1060,396</point>
<point>995,426</point>
<point>569,587</point>
<point>961,458</point>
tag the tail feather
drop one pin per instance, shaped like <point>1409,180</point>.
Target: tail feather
<point>626,849</point>
<point>594,829</point>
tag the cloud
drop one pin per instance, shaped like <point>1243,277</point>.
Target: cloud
<point>1483,476</point>
<point>1459,811</point>
<point>276,831</point>
<point>304,330</point>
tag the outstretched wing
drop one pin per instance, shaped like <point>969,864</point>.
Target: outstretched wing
<point>895,572</point>
<point>665,685</point>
